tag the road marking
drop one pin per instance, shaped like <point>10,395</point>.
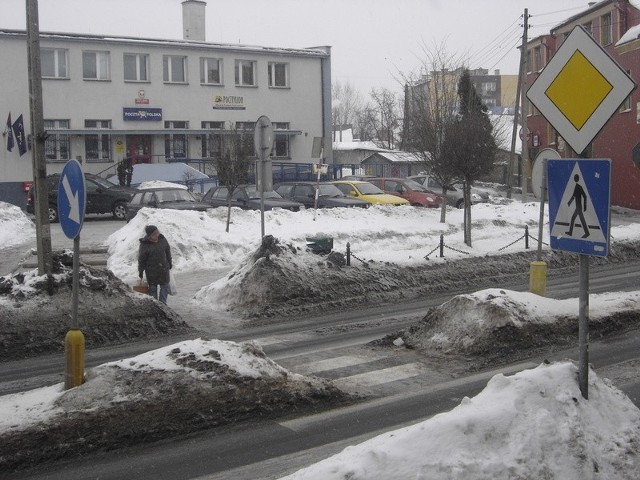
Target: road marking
<point>273,340</point>
<point>337,362</point>
<point>308,422</point>
<point>377,377</point>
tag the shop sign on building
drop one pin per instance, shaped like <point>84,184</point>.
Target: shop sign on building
<point>228,102</point>
<point>142,114</point>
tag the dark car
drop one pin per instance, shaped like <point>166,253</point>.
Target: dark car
<point>329,195</point>
<point>417,195</point>
<point>175,198</point>
<point>247,197</point>
<point>102,196</point>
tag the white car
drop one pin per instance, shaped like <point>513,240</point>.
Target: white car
<point>455,195</point>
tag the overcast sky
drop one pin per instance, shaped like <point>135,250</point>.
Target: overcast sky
<point>374,42</point>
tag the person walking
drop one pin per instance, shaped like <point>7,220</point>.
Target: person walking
<point>154,258</point>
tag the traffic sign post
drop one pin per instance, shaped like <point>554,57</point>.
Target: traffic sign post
<point>577,92</point>
<point>263,142</point>
<point>72,201</point>
<point>579,221</point>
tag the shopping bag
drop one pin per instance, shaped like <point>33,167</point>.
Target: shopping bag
<point>173,290</point>
<point>141,287</point>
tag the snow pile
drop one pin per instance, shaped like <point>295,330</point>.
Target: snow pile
<point>534,424</point>
<point>178,389</point>
<point>15,226</point>
<point>493,319</point>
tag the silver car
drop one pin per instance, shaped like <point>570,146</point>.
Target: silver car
<point>454,194</point>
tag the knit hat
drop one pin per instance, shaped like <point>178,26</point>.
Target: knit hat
<point>149,229</point>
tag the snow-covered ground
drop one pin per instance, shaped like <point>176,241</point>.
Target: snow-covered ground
<point>531,425</point>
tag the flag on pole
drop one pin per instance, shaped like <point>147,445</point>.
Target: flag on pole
<point>21,139</point>
<point>9,132</point>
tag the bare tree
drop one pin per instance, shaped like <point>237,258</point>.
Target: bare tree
<point>346,102</point>
<point>235,160</point>
<point>384,117</point>
<point>430,105</point>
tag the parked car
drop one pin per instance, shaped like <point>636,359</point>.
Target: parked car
<point>247,197</point>
<point>329,195</point>
<point>417,195</point>
<point>102,196</point>
<point>175,198</point>
<point>455,195</point>
<point>368,192</point>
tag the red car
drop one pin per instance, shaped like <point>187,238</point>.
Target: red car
<point>412,191</point>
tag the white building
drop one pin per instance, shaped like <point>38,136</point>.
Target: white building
<point>110,98</point>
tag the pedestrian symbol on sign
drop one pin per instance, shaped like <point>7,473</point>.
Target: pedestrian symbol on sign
<point>581,205</point>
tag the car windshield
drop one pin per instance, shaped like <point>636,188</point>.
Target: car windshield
<point>174,195</point>
<point>415,186</point>
<point>330,191</point>
<point>253,193</point>
<point>101,181</point>
<point>367,188</point>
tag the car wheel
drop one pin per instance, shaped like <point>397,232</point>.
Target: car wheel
<point>53,214</point>
<point>460,203</point>
<point>120,211</point>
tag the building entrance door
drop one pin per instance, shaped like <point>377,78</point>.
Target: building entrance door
<point>139,148</point>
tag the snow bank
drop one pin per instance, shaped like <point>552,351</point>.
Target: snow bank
<point>534,424</point>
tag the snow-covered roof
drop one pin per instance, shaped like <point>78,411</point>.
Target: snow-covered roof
<point>314,52</point>
<point>632,34</point>
<point>357,145</point>
<point>399,157</point>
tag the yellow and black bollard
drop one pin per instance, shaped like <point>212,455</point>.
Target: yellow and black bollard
<point>74,359</point>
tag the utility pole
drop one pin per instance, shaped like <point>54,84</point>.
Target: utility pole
<point>522,73</point>
<point>525,108</point>
<point>41,199</point>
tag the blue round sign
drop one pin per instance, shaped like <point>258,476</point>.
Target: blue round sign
<point>72,198</point>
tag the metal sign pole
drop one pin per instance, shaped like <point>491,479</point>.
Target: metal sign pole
<point>261,161</point>
<point>76,283</point>
<point>583,327</point>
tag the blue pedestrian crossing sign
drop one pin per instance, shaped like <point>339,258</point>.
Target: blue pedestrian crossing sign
<point>579,205</point>
<point>72,198</point>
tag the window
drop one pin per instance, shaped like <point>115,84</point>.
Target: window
<point>57,146</point>
<point>211,71</point>
<point>278,74</point>
<point>245,71</point>
<point>97,148</point>
<point>136,67</point>
<point>212,142</point>
<point>175,144</point>
<point>174,69</point>
<point>588,27</point>
<point>626,105</point>
<point>487,87</point>
<point>53,63</point>
<point>281,141</point>
<point>95,65</point>
<point>537,59</point>
<point>606,31</point>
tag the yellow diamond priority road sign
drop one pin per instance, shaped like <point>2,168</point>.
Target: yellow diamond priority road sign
<point>580,89</point>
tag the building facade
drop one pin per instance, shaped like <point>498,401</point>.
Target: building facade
<point>112,99</point>
<point>615,25</point>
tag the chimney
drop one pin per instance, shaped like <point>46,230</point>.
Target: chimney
<point>193,20</point>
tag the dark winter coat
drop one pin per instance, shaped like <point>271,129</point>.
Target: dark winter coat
<point>155,260</point>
